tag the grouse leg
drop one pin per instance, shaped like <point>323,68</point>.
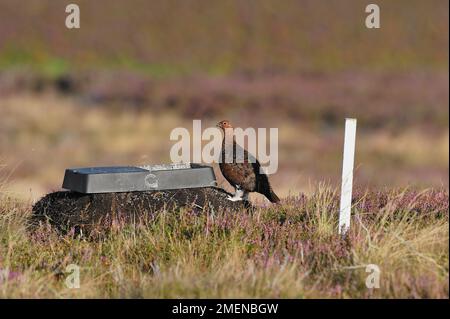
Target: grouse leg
<point>237,195</point>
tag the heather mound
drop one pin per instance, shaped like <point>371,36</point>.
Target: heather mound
<point>67,210</point>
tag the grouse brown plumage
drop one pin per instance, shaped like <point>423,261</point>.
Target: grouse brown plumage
<point>241,169</point>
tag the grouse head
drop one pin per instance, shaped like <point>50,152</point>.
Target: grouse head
<point>224,125</point>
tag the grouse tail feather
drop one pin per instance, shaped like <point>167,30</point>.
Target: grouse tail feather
<point>273,197</point>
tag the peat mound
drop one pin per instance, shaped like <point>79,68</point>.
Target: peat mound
<point>68,210</point>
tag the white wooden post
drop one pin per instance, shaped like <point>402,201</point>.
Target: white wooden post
<point>347,175</point>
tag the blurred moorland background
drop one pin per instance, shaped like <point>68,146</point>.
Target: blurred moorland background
<point>110,92</point>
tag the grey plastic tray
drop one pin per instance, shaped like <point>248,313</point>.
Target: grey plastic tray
<point>133,178</point>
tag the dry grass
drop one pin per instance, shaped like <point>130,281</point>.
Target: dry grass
<point>287,251</point>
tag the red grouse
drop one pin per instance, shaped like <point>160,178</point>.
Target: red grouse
<point>241,169</point>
